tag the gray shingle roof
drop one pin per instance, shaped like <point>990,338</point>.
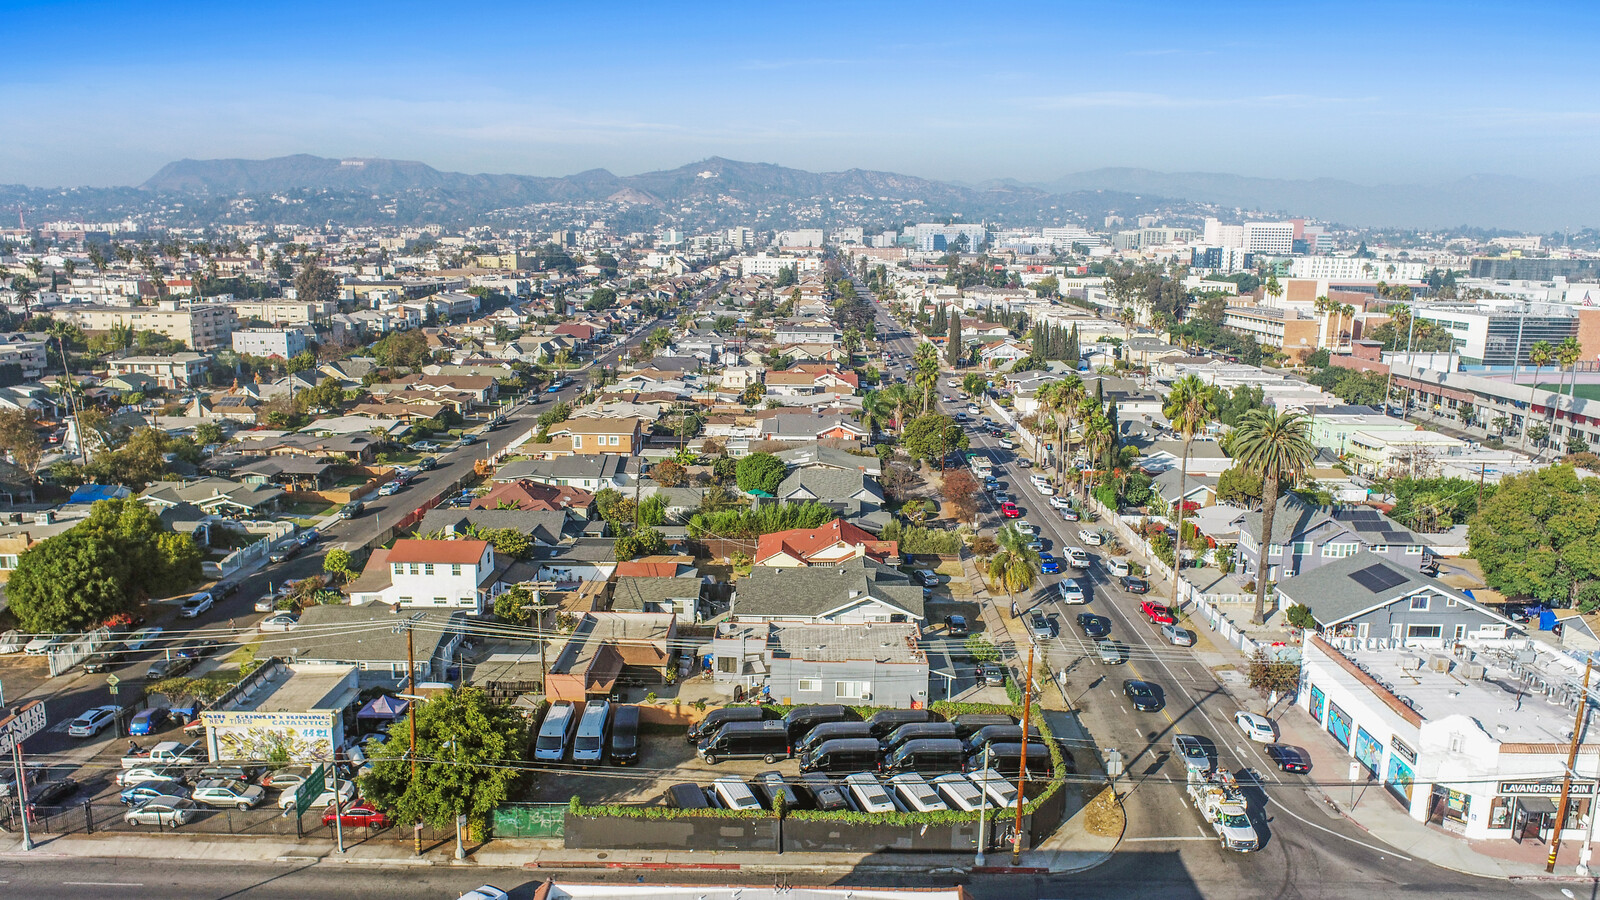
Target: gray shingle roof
<point>357,634</point>
<point>648,593</point>
<point>826,483</point>
<point>810,592</point>
<point>1333,595</point>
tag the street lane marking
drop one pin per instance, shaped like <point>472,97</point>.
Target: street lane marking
<point>104,883</point>
<point>1174,837</point>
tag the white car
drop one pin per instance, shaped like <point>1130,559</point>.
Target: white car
<point>347,793</point>
<point>1059,502</point>
<point>1071,593</point>
<point>952,383</point>
<point>1045,490</point>
<point>168,812</point>
<point>196,605</point>
<point>916,793</point>
<point>425,447</point>
<point>485,892</point>
<point>1256,728</point>
<point>1077,558</point>
<point>228,792</point>
<point>279,622</point>
<point>1008,444</point>
<point>92,722</point>
<point>1025,527</point>
<point>1092,538</point>
<point>1118,566</point>
<point>959,792</point>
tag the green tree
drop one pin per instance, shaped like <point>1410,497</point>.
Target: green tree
<point>974,384</point>
<point>208,433</point>
<point>933,436</point>
<point>1191,406</point>
<point>513,605</point>
<point>402,348</point>
<point>952,344</point>
<point>760,472</point>
<point>19,440</point>
<point>1238,486</point>
<point>470,753</point>
<point>1277,446</point>
<point>602,298</point>
<point>668,473</point>
<point>1016,566</point>
<point>316,283</point>
<point>1539,537</point>
<point>926,361</point>
<point>337,562</point>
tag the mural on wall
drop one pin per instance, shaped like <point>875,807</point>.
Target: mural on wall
<point>274,737</point>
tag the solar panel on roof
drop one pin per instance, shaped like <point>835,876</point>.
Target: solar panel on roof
<point>1377,578</point>
<point>1396,537</point>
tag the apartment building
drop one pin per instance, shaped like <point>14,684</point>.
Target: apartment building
<point>269,342</point>
<point>1501,337</point>
<point>180,370</point>
<point>1357,268</point>
<point>279,311</point>
<point>1291,331</point>
<point>200,326</point>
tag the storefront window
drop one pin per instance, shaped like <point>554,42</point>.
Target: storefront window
<point>1399,780</point>
<point>1339,724</point>
<point>1500,813</point>
<point>1317,699</point>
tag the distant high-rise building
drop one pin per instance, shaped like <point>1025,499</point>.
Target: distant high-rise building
<point>1269,237</point>
<point>932,237</point>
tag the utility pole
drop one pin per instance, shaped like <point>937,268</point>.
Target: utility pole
<point>409,626</point>
<point>1022,770</point>
<point>1572,759</point>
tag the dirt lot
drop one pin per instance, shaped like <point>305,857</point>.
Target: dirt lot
<point>665,758</point>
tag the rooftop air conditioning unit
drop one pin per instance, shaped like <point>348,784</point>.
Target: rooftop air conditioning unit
<point>1439,662</point>
<point>1411,663</point>
<point>1472,671</point>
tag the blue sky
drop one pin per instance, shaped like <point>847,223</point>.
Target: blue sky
<point>106,93</point>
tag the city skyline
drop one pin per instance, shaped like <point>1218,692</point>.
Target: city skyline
<point>101,95</point>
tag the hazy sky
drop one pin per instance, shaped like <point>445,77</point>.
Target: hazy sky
<point>106,93</point>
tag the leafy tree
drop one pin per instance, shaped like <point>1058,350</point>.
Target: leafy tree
<point>1538,536</point>
<point>653,511</point>
<point>668,473</point>
<point>118,556</point>
<point>469,753</point>
<point>507,541</point>
<point>602,298</point>
<point>750,523</point>
<point>337,562</point>
<point>402,348</point>
<point>512,604</point>
<point>1271,676</point>
<point>1238,486</point>
<point>316,283</point>
<point>932,436</point>
<point>1016,566</point>
<point>19,440</point>
<point>207,433</point>
<point>952,344</point>
<point>724,470</point>
<point>760,472</point>
<point>302,362</point>
<point>961,489</point>
<point>980,649</point>
<point>642,542</point>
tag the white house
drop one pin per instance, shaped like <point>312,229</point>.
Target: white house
<point>431,575</point>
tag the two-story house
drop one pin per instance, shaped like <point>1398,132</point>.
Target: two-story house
<point>1366,597</point>
<point>593,437</point>
<point>431,574</point>
<point>830,544</point>
<point>1305,536</point>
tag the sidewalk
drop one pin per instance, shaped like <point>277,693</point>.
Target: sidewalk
<point>1060,855</point>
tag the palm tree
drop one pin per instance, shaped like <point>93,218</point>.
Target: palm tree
<point>899,397</point>
<point>1277,446</point>
<point>876,410</point>
<point>1016,566</point>
<point>1065,396</point>
<point>1540,354</point>
<point>926,360</point>
<point>1324,307</point>
<point>1568,352</point>
<point>1190,407</point>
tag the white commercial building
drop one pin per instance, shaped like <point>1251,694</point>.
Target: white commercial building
<point>268,342</point>
<point>1269,237</point>
<point>762,264</point>
<point>1355,268</point>
<point>932,237</point>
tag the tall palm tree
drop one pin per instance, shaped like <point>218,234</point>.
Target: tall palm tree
<point>1540,354</point>
<point>1016,566</point>
<point>1190,407</point>
<point>1568,352</point>
<point>1277,446</point>
<point>1324,307</point>
<point>926,360</point>
<point>899,397</point>
<point>1066,397</point>
<point>876,410</point>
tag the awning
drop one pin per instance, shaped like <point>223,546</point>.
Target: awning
<point>1536,805</point>
<point>384,707</point>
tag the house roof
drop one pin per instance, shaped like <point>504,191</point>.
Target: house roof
<point>637,593</point>
<point>803,543</point>
<point>1296,517</point>
<point>815,591</point>
<point>599,426</point>
<point>425,551</point>
<point>655,566</point>
<point>333,632</point>
<point>827,483</point>
<point>533,495</point>
<point>544,526</point>
<point>824,456</point>
<point>1343,588</point>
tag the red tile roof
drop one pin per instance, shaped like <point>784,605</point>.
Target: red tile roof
<point>532,495</point>
<point>421,551</point>
<point>803,543</point>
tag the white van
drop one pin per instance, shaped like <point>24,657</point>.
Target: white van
<point>868,794</point>
<point>1118,566</point>
<point>735,794</point>
<point>559,722</point>
<point>916,793</point>
<point>593,729</point>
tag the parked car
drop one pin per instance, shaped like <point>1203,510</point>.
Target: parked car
<point>1071,592</point>
<point>196,605</point>
<point>105,660</point>
<point>352,509</point>
<point>198,649</point>
<point>1069,514</point>
<point>955,626</point>
<point>285,552</point>
<point>151,790</point>
<point>1181,637</point>
<point>1118,566</point>
<point>1289,759</point>
<point>1092,538</point>
<point>927,577</point>
<point>169,668</point>
<point>43,644</point>
<point>308,537</point>
<point>347,794</point>
<point>51,793</point>
<point>165,811</point>
<point>1142,694</point>
<point>280,622</point>
<point>149,721</point>
<point>141,638</point>
<point>1256,728</point>
<point>1157,613</point>
<point>356,815</point>
<point>1060,502</point>
<point>227,792</point>
<point>868,793</point>
<point>1040,626</point>
<point>992,674</point>
<point>92,722</point>
<point>825,794</point>
<point>769,786</point>
<point>425,447</point>
<point>1009,510</point>
<point>1135,585</point>
<point>288,778</point>
<point>1094,627</point>
<point>1111,653</point>
<point>485,892</point>
<point>389,489</point>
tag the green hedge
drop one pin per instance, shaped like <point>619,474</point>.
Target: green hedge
<point>948,709</point>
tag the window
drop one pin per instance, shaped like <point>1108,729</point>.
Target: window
<point>440,601</point>
<point>1450,601</point>
<point>1461,632</point>
<point>809,685</point>
<point>1414,550</point>
<point>8,561</point>
<point>427,568</point>
<point>849,690</point>
<point>728,665</point>
<point>1394,631</point>
<point>1423,632</point>
<point>577,442</point>
<point>1340,551</point>
<point>1275,550</point>
<point>1420,603</point>
<point>1302,547</point>
<point>399,568</point>
<point>1380,548</point>
<point>455,568</point>
<point>414,569</point>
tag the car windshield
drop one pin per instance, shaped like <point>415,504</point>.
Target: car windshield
<point>587,743</point>
<point>549,742</point>
<point>1235,820</point>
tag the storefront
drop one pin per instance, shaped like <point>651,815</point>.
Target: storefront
<point>1450,809</point>
<point>1526,810</point>
<point>1401,773</point>
<point>1339,725</point>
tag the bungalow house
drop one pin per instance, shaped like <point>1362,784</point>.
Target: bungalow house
<point>293,473</point>
<point>828,485</point>
<point>827,545</point>
<point>365,636</point>
<point>483,389</point>
<point>1003,352</point>
<point>545,528</point>
<point>679,594</point>
<point>823,456</point>
<point>1306,536</point>
<point>590,473</point>
<point>585,559</point>
<point>1198,490</point>
<point>853,593</point>
<point>1366,597</point>
<point>807,428</point>
<point>217,496</point>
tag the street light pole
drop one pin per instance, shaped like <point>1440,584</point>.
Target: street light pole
<point>983,807</point>
<point>1022,770</point>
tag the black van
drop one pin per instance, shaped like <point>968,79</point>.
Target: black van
<point>1006,758</point>
<point>917,731</point>
<point>842,755</point>
<point>744,740</point>
<point>719,717</point>
<point>829,731</point>
<point>825,795</point>
<point>625,735</point>
<point>998,734</point>
<point>934,756</point>
<point>968,724</point>
<point>885,721</point>
<point>802,719</point>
